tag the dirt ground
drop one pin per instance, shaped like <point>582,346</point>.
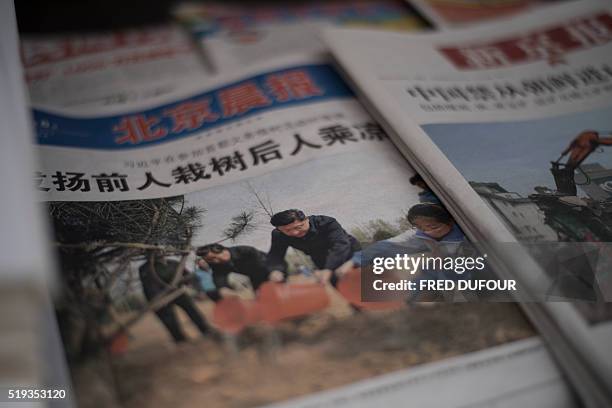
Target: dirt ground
<point>264,365</point>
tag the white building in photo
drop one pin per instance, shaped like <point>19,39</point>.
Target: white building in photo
<point>598,186</point>
<point>521,214</point>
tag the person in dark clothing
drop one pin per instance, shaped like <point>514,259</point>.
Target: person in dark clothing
<point>425,196</point>
<point>319,236</point>
<point>156,275</point>
<point>241,259</point>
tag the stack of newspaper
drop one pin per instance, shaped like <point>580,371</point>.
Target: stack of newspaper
<point>483,144</point>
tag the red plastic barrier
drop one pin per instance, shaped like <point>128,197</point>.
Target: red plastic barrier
<point>280,301</point>
<point>231,315</point>
<point>349,287</point>
<point>285,301</point>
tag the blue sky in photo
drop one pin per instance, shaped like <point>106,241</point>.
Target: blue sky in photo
<point>517,155</point>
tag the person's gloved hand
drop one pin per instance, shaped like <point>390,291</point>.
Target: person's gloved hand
<point>323,275</point>
<point>276,276</point>
<point>239,282</point>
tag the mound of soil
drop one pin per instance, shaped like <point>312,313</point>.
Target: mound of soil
<point>269,364</point>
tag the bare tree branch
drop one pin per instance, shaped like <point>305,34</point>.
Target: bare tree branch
<point>91,246</point>
<point>263,199</point>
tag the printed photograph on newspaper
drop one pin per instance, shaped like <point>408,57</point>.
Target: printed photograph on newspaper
<point>556,188</point>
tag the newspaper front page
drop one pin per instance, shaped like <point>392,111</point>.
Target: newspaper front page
<point>510,125</point>
<point>161,211</point>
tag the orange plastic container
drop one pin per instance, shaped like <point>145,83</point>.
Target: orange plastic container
<point>281,301</point>
<point>349,287</point>
<point>231,315</point>
<point>119,344</point>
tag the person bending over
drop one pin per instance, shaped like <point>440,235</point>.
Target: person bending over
<point>318,236</point>
<point>241,259</point>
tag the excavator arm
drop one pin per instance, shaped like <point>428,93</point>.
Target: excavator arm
<point>579,149</point>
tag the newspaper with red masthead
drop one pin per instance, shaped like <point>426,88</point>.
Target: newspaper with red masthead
<point>510,125</point>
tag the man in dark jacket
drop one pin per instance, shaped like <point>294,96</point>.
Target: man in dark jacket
<point>241,259</point>
<point>156,275</point>
<point>319,236</point>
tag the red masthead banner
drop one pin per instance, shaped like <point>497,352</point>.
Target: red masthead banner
<point>549,44</point>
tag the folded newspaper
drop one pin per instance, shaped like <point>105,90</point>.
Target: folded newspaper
<point>509,123</point>
<point>163,199</point>
<point>95,70</point>
<point>232,36</point>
